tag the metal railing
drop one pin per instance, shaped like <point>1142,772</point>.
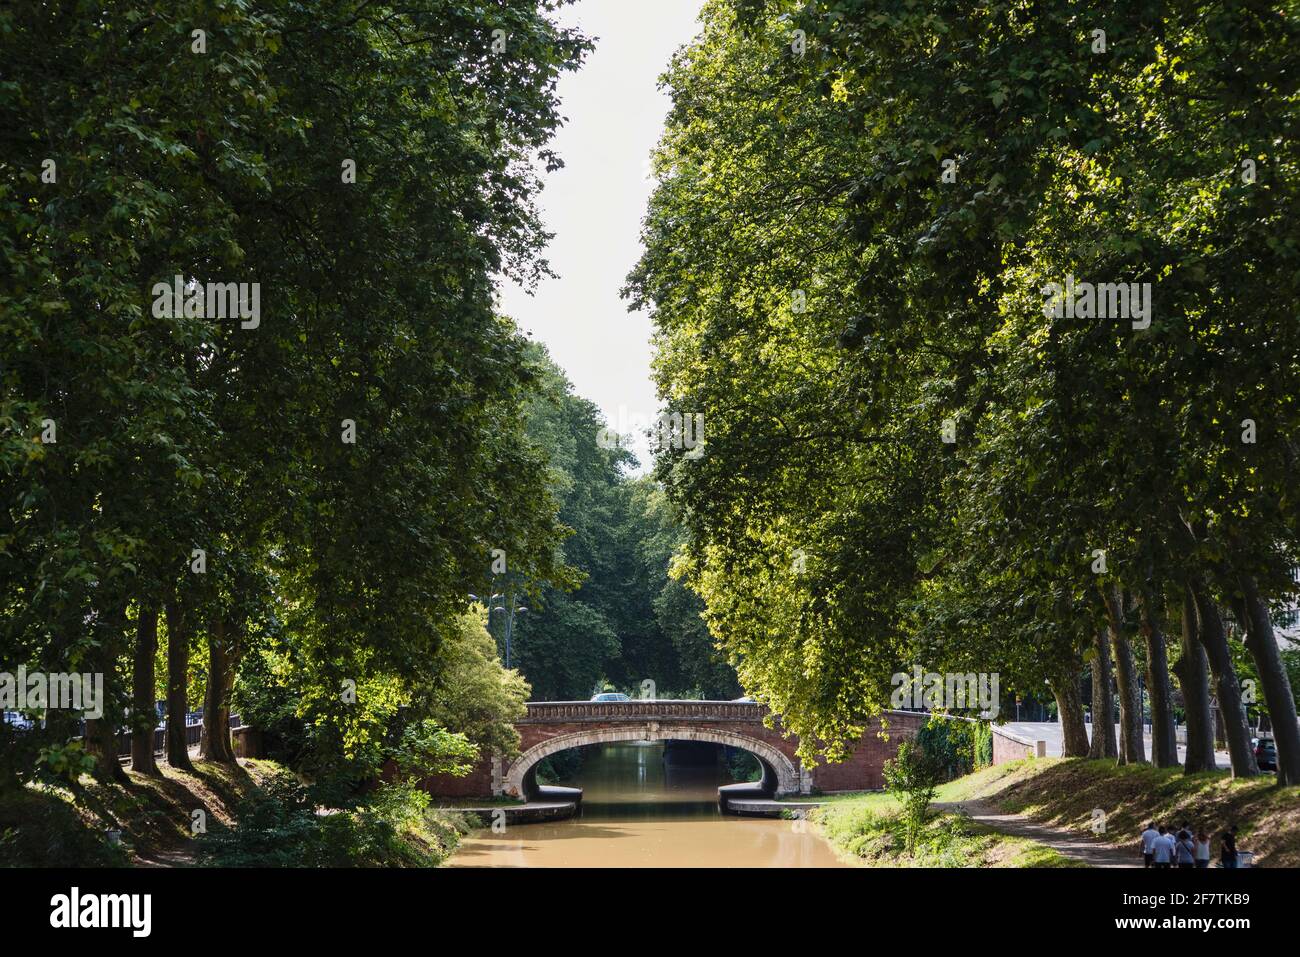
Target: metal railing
<point>193,732</point>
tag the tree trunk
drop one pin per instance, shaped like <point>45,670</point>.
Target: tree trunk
<point>1193,673</point>
<point>1215,642</point>
<point>223,658</point>
<point>1164,744</point>
<point>1131,748</point>
<point>1262,645</point>
<point>100,740</point>
<point>144,713</point>
<point>1069,702</point>
<point>178,665</point>
<point>1103,727</point>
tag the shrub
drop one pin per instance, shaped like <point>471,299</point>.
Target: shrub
<point>38,829</point>
<point>281,826</point>
<point>914,776</point>
<point>958,747</point>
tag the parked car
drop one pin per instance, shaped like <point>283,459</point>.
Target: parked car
<point>610,696</point>
<point>17,720</point>
<point>1266,754</point>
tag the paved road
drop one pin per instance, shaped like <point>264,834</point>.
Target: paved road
<point>1050,731</point>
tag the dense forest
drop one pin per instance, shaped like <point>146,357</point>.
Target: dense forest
<point>627,622</point>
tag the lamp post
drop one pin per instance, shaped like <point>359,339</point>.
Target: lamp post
<point>510,623</point>
<point>510,610</point>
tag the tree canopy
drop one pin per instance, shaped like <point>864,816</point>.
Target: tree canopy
<point>865,223</point>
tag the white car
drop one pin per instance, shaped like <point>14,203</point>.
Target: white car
<point>610,696</point>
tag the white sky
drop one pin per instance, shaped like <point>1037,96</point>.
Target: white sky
<point>594,205</point>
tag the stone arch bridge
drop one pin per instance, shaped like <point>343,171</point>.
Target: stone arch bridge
<point>553,726</point>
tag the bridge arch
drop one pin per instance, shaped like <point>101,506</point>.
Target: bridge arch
<point>516,775</point>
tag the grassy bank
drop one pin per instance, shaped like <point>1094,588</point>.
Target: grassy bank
<point>872,833</point>
<point>253,814</point>
<point>1062,793</point>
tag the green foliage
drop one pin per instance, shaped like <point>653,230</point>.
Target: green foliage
<point>471,691</point>
<point>957,747</point>
<point>835,308</point>
<point>39,829</point>
<point>560,767</point>
<point>624,620</point>
<point>464,687</point>
<point>914,776</point>
<point>743,767</point>
<point>982,745</point>
<point>68,761</point>
<point>282,826</point>
<point>345,560</point>
<point>882,838</point>
<point>426,749</point>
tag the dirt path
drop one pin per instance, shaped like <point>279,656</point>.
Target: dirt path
<point>1071,845</point>
<point>171,857</point>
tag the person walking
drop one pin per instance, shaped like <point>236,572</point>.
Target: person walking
<point>1148,844</point>
<point>1202,854</point>
<point>1162,848</point>
<point>1228,847</point>
<point>1184,849</point>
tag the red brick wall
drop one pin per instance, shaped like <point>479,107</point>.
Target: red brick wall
<point>864,770</point>
<point>478,783</point>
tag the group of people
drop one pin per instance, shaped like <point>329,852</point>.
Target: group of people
<point>1167,846</point>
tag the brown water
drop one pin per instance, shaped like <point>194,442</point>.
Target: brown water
<point>638,811</point>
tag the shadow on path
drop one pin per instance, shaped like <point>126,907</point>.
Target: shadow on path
<point>1066,843</point>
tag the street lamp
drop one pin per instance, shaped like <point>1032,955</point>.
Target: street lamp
<point>510,622</point>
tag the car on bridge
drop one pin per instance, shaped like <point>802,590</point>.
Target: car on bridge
<point>610,696</point>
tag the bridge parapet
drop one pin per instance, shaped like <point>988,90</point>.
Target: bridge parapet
<point>658,710</point>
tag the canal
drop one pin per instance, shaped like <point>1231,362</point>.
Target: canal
<point>640,809</point>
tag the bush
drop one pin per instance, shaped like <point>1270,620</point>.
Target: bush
<point>427,748</point>
<point>39,829</point>
<point>281,826</point>
<point>958,747</point>
<point>982,745</point>
<point>914,776</point>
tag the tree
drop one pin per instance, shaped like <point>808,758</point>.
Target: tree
<point>850,258</point>
<point>473,693</point>
<point>341,457</point>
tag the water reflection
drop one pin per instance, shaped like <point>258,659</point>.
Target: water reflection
<point>640,810</point>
